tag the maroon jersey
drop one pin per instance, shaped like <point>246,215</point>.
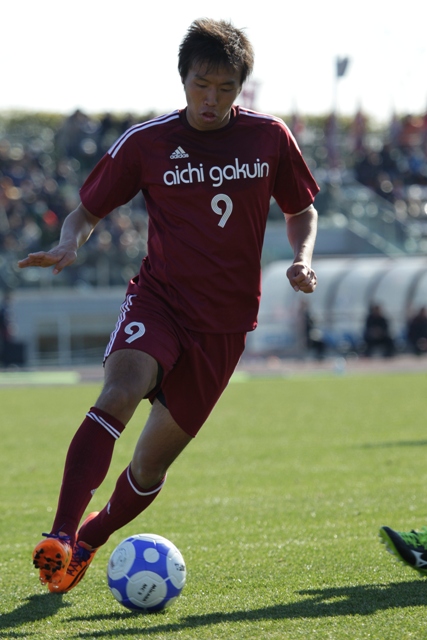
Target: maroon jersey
<point>208,196</point>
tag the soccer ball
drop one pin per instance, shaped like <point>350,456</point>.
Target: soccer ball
<point>146,572</point>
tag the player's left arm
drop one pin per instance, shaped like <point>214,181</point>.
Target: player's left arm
<point>302,231</point>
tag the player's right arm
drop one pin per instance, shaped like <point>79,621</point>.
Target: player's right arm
<point>76,230</point>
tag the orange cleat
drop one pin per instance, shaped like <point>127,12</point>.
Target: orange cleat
<point>81,558</point>
<point>52,557</point>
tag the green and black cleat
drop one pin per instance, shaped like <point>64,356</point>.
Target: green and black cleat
<point>410,547</point>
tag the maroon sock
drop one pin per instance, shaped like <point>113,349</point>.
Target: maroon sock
<point>127,501</point>
<point>86,466</point>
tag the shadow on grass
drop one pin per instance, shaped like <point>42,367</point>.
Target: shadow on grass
<point>397,443</point>
<point>318,603</point>
<point>34,608</point>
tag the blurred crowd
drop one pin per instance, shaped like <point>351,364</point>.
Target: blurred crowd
<point>41,170</point>
<point>40,176</point>
<point>397,170</point>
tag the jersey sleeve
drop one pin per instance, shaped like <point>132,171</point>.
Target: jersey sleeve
<point>114,181</point>
<point>294,188</point>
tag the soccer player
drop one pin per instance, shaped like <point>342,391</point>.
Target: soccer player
<point>207,173</point>
<point>409,547</point>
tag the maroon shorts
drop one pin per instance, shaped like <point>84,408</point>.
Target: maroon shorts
<point>196,366</point>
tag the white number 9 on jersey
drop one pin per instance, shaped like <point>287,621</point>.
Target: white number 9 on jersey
<point>221,197</point>
<point>135,330</point>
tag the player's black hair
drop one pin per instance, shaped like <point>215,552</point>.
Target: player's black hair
<point>216,43</point>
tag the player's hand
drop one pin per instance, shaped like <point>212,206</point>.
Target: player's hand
<point>302,277</point>
<point>59,257</point>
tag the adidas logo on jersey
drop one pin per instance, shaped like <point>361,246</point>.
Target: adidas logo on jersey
<point>179,153</point>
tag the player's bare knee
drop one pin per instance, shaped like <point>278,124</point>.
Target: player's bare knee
<point>120,400</point>
<point>146,473</point>
<point>133,370</point>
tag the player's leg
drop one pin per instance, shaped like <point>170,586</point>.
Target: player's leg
<point>188,394</point>
<point>129,376</point>
<point>190,391</point>
<point>160,443</point>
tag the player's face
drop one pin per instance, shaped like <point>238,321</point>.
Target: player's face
<point>210,96</point>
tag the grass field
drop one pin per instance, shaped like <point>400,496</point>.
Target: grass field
<point>275,506</point>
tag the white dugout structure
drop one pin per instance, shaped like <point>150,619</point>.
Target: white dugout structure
<point>346,288</point>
